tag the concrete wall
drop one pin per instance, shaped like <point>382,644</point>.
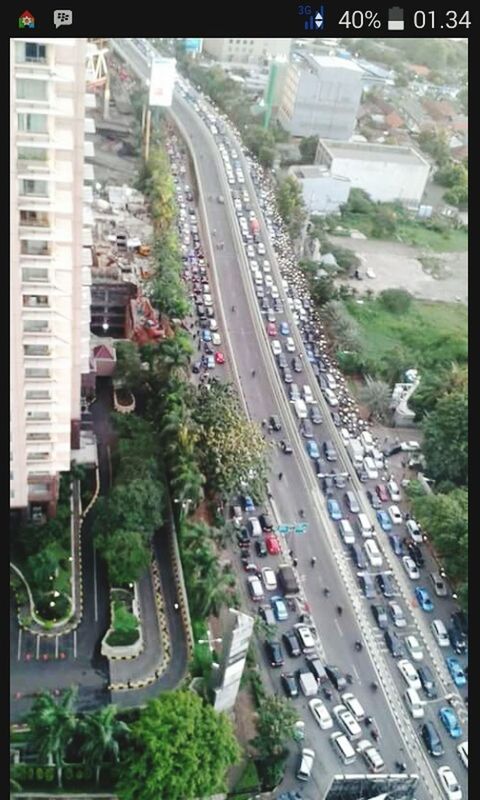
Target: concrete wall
<point>324,195</point>
<point>384,180</point>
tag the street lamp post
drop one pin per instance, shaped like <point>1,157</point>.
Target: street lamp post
<point>184,504</point>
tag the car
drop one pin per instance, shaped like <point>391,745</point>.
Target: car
<point>284,328</point>
<point>312,449</point>
<point>287,375</point>
<point>248,504</point>
<point>373,553</point>
<point>269,579</point>
<point>254,526</point>
<point>458,641</point>
<point>327,486</point>
<point>462,750</point>
<point>333,509</point>
<point>411,568</point>
<point>413,646</point>
<point>331,398</point>
<point>382,493</point>
<point>271,329</point>
<point>409,673</point>
<point>362,473</point>
<point>385,584</point>
<point>268,280</point>
<point>286,446</point>
<point>219,357</point>
<point>393,490</point>
<point>449,783</point>
<point>297,364</point>
<point>414,552</point>
<point>207,300</point>
<point>423,599</point>
<point>243,538</point>
<point>282,360</point>
<point>260,548</point>
<point>414,531</point>
<point>322,382</point>
<point>206,335</point>
<point>339,480</point>
<point>460,621</point>
<point>450,722</point>
<point>439,585</point>
<point>266,522</point>
<point>289,683</point>
<point>347,721</point>
<point>427,681</point>
<point>306,428</point>
<point>271,316</point>
<point>320,714</point>
<point>290,345</point>
<point>279,608</point>
<point>329,451</point>
<point>305,637</point>
<point>293,392</point>
<point>354,706</point>
<point>274,422</point>
<point>374,500</point>
<point>384,521</point>
<point>196,367</point>
<point>255,587</point>
<point>216,339</point>
<point>210,362</point>
<point>336,677</point>
<point>315,415</point>
<point>396,544</point>
<point>456,671</point>
<point>358,556</point>
<point>394,644</point>
<point>274,653</point>
<point>370,755</point>
<point>305,765</point>
<point>336,418</point>
<point>273,545</point>
<point>395,515</point>
<point>291,643</point>
<point>276,347</point>
<point>250,251</point>
<point>380,615</point>
<point>396,613</point>
<point>367,586</point>
<point>432,740</point>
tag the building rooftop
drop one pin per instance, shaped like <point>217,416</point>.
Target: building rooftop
<point>373,152</point>
<point>332,62</point>
<point>313,171</point>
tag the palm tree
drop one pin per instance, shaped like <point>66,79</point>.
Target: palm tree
<point>376,395</point>
<point>52,726</point>
<point>101,731</point>
<point>174,353</point>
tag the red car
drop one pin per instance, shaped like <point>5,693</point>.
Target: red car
<point>271,329</point>
<point>273,545</point>
<point>382,493</point>
<point>219,357</point>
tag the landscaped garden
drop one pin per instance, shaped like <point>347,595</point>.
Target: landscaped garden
<point>125,625</point>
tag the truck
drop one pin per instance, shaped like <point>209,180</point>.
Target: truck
<point>287,580</point>
<point>355,451</point>
<point>308,684</point>
<point>254,228</point>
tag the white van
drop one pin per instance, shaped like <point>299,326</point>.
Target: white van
<point>304,769</point>
<point>413,703</point>
<point>367,440</point>
<point>301,409</point>
<point>364,526</point>
<point>370,468</point>
<point>373,553</point>
<point>346,531</point>
<point>440,633</point>
<point>343,747</point>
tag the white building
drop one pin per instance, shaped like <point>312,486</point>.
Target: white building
<point>323,193</point>
<point>385,172</point>
<point>321,96</point>
<point>49,269</point>
<point>246,51</point>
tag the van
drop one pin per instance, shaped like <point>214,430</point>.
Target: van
<point>440,633</point>
<point>358,556</point>
<point>367,440</point>
<point>414,704</point>
<point>304,770</point>
<point>346,531</point>
<point>343,747</point>
<point>370,468</point>
<point>364,527</point>
<point>316,668</point>
<point>293,392</point>
<point>352,502</point>
<point>301,409</point>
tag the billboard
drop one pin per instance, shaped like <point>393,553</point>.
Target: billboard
<point>162,79</point>
<point>193,45</point>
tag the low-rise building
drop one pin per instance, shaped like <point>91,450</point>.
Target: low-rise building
<point>246,51</point>
<point>323,193</point>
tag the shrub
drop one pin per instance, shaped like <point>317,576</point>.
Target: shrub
<point>398,301</point>
<point>39,774</point>
<point>49,774</point>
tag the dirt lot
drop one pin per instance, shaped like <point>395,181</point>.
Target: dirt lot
<point>396,265</point>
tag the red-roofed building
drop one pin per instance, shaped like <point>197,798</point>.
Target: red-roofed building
<point>394,120</point>
<point>419,69</point>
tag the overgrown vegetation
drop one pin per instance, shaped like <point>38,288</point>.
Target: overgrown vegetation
<point>291,206</point>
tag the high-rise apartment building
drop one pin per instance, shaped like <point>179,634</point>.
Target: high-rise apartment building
<point>246,51</point>
<point>50,274</point>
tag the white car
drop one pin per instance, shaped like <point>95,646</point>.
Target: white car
<point>395,515</point>
<point>393,491</point>
<point>250,251</point>
<point>290,345</point>
<point>397,615</point>
<point>307,394</point>
<point>345,435</point>
<point>372,757</point>
<point>258,278</point>
<point>409,673</point>
<point>370,468</point>
<point>332,383</point>
<point>268,280</point>
<point>274,292</point>
<point>255,587</point>
<point>207,300</point>
<point>276,347</point>
<point>462,750</point>
<point>330,397</point>
<point>261,249</point>
<point>269,579</point>
<point>320,714</point>
<point>213,324</point>
<point>255,527</point>
<point>254,265</point>
<point>449,783</point>
<point>413,646</point>
<point>440,633</point>
<point>216,339</point>
<point>373,553</point>
<point>411,568</point>
<point>307,641</point>
<point>354,706</point>
<point>414,531</point>
<point>266,265</point>
<point>238,205</point>
<point>348,722</point>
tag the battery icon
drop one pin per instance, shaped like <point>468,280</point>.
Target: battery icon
<point>395,19</point>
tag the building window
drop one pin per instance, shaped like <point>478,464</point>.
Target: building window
<point>38,416</point>
<point>28,89</point>
<point>37,394</point>
<point>38,456</point>
<point>30,52</point>
<point>36,350</point>
<point>33,188</point>
<point>34,247</point>
<point>34,219</point>
<point>34,275</point>
<point>36,373</point>
<point>36,325</point>
<point>39,154</point>
<point>38,488</point>
<point>32,123</point>
<point>37,436</point>
<point>36,301</point>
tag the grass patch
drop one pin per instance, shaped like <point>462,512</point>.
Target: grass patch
<point>449,241</point>
<point>124,624</point>
<point>249,781</point>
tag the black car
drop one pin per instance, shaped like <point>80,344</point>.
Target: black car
<point>362,474</point>
<point>274,653</point>
<point>321,467</point>
<point>289,683</point>
<point>317,669</point>
<point>282,361</point>
<point>336,677</point>
<point>374,500</point>
<point>432,740</point>
<point>428,682</point>
<point>385,584</point>
<point>414,552</point>
<point>327,484</point>
<point>243,537</point>
<point>315,369</point>
<point>265,305</point>
<point>315,415</point>
<point>286,447</point>
<point>329,451</point>
<point>458,640</point>
<point>460,621</point>
<point>275,422</point>
<point>321,365</point>
<point>337,420</point>
<point>306,428</point>
<point>367,586</point>
<point>358,556</point>
<point>339,481</point>
<point>266,522</point>
<point>322,382</point>
<point>380,615</point>
<point>278,305</point>
<point>394,644</point>
<point>297,364</point>
<point>260,548</point>
<point>292,644</point>
<point>196,366</point>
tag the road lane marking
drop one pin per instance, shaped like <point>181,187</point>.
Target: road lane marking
<point>19,649</point>
<point>74,643</point>
<point>38,647</point>
<point>339,628</point>
<point>56,645</point>
<point>356,673</point>
<point>95,598</point>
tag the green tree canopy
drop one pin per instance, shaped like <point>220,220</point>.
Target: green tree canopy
<point>101,733</point>
<point>126,554</point>
<point>445,442</point>
<point>291,205</point>
<point>308,149</point>
<point>180,749</point>
<point>52,725</point>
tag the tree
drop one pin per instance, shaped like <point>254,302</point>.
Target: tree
<point>308,148</point>
<point>445,442</point>
<point>208,586</point>
<point>398,301</point>
<point>180,748</point>
<point>291,205</point>
<point>128,367</point>
<point>275,722</point>
<point>435,144</point>
<point>376,395</point>
<point>174,353</point>
<point>101,733</point>
<point>52,725</point>
<point>434,385</point>
<point>126,554</point>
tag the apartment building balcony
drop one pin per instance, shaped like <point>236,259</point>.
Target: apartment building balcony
<point>53,106</point>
